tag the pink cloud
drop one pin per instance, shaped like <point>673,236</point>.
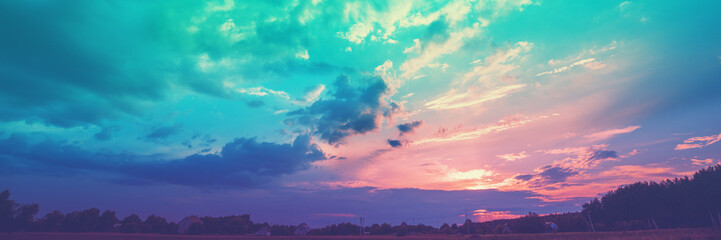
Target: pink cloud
<point>702,162</point>
<point>590,185</point>
<point>583,157</point>
<point>698,142</point>
<point>631,153</point>
<point>603,135</point>
<point>513,156</point>
<point>483,215</point>
<point>500,126</point>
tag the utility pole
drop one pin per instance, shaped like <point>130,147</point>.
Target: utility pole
<point>591,221</point>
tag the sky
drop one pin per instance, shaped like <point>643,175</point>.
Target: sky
<point>327,111</point>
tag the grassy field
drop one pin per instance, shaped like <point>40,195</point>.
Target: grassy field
<point>683,234</point>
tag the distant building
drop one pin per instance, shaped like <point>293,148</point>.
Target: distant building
<point>189,225</point>
<point>551,227</point>
<point>302,230</point>
<point>264,231</point>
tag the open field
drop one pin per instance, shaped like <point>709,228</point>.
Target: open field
<point>684,234</point>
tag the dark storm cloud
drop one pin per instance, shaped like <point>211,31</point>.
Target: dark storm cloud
<point>549,175</point>
<point>106,133</point>
<point>555,174</point>
<point>255,103</point>
<point>163,132</point>
<point>603,154</point>
<point>560,171</point>
<point>50,75</point>
<point>524,177</point>
<point>61,66</point>
<point>350,110</point>
<point>409,127</point>
<point>395,143</point>
<point>243,162</point>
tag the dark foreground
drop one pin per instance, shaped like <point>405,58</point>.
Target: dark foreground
<point>684,234</point>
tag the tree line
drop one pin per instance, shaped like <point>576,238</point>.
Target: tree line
<point>673,203</point>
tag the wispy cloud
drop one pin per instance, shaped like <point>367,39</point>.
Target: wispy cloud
<point>623,5</point>
<point>702,162</point>
<point>698,142</point>
<point>263,91</point>
<point>583,157</point>
<point>565,68</point>
<point>429,52</point>
<point>500,63</point>
<point>603,135</point>
<point>453,100</point>
<point>513,156</point>
<point>477,132</point>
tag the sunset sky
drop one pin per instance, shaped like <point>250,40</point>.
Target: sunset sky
<point>328,111</point>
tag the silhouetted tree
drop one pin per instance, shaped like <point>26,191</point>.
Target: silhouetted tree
<point>679,202</point>
<point>7,211</point>
<point>52,222</point>
<point>25,215</point>
<point>131,224</point>
<point>107,221</point>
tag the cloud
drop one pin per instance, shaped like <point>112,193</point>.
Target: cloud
<point>410,127</point>
<point>255,103</point>
<point>546,176</point>
<point>358,32</point>
<point>453,99</point>
<point>460,135</point>
<point>106,133</point>
<point>95,71</point>
<point>603,135</point>
<point>484,215</point>
<point>378,21</point>
<point>349,111</point>
<point>430,50</point>
<point>585,62</point>
<point>243,162</point>
<point>702,162</point>
<point>162,132</point>
<point>262,91</point>
<point>499,64</point>
<point>513,156</point>
<point>698,142</point>
<point>311,94</point>
<point>395,143</point>
<point>583,157</point>
<point>623,5</point>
